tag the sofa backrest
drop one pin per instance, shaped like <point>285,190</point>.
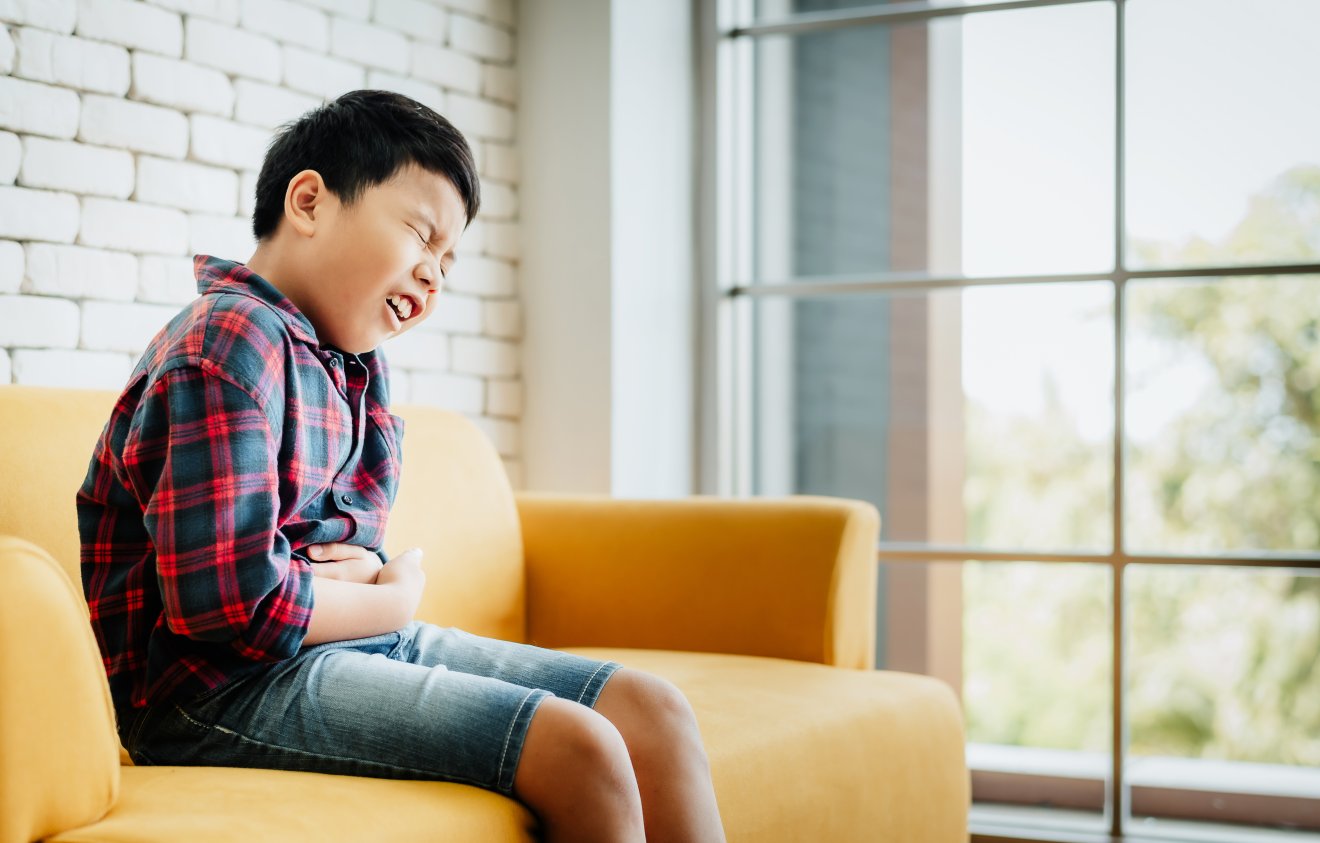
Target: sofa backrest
<point>454,501</point>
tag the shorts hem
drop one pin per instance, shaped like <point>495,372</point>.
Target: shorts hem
<point>515,739</point>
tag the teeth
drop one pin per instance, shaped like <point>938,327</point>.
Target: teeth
<point>402,305</point>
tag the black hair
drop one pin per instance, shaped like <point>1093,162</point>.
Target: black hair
<point>360,140</point>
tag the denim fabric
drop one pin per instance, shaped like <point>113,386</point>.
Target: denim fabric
<point>425,702</point>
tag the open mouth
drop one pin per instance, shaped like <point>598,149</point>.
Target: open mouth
<point>404,306</point>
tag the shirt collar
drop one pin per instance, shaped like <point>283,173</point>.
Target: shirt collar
<point>217,275</point>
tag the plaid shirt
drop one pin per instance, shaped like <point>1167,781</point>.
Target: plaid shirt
<point>238,441</point>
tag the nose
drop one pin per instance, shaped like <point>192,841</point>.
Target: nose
<point>428,272</point>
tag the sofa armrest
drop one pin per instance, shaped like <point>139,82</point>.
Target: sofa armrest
<point>790,577</point>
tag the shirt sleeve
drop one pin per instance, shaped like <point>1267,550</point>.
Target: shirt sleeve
<point>204,465</point>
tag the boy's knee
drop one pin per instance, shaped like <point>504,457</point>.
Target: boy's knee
<point>568,746</point>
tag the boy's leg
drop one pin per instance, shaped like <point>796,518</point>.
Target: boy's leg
<point>660,730</point>
<point>361,708</point>
<point>651,716</point>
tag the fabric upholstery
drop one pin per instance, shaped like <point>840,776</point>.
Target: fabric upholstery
<point>761,611</point>
<point>788,577</point>
<point>808,752</point>
<point>59,767</point>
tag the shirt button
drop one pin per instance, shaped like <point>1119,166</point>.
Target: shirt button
<point>334,361</point>
<point>347,499</point>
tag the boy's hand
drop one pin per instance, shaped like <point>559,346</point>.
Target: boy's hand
<point>348,562</point>
<point>405,574</point>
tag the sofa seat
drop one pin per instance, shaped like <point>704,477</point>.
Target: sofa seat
<point>764,719</point>
<point>769,721</point>
<point>209,804</point>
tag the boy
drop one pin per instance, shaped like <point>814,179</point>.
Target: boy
<point>234,509</point>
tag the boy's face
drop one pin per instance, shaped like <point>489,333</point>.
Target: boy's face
<point>380,263</point>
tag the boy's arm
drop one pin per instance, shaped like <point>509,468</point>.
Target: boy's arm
<point>358,610</point>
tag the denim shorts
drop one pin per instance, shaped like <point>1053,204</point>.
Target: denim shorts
<point>425,702</point>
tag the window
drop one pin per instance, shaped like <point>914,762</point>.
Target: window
<point>1041,280</point>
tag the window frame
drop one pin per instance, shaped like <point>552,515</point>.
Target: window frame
<point>727,300</point>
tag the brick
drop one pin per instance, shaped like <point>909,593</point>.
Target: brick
<point>247,193</point>
<point>131,24</point>
<point>418,350</point>
<point>482,356</point>
<point>478,152</point>
<point>502,240</point>
<point>289,22</point>
<point>232,50</point>
<point>484,120</point>
<point>112,326</point>
<point>473,241</point>
<point>269,106</point>
<point>400,391</point>
<point>499,83</point>
<point>427,94</point>
<point>462,393</point>
<point>499,162</point>
<point>229,144</point>
<point>500,11</point>
<point>504,398</point>
<point>183,184</point>
<point>224,237</point>
<point>38,322</point>
<point>366,44</point>
<point>76,167</point>
<point>224,11</point>
<point>76,369</point>
<point>446,68</point>
<point>498,202</point>
<point>55,15</point>
<point>359,9</point>
<point>166,280</point>
<point>72,62</point>
<point>133,227</point>
<point>320,75</point>
<point>181,85</point>
<point>502,318</point>
<point>413,18</point>
<point>455,313</point>
<point>7,52</point>
<point>479,39</point>
<point>11,157</point>
<point>78,272</point>
<point>505,435</point>
<point>482,277</point>
<point>37,109</point>
<point>12,263</point>
<point>38,215</point>
<point>133,125</point>
<point>4,366</point>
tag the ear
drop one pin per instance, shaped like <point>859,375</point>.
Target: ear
<point>305,200</point>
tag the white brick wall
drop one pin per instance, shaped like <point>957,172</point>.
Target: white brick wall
<point>131,133</point>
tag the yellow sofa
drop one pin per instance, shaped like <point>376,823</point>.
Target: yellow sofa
<point>762,611</point>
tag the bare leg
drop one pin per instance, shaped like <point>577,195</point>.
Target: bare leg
<point>664,743</point>
<point>575,775</point>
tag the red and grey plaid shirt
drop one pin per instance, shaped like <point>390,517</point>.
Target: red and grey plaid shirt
<point>238,441</point>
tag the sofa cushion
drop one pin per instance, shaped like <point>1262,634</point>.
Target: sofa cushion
<point>764,721</point>
<point>201,804</point>
<point>767,720</point>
